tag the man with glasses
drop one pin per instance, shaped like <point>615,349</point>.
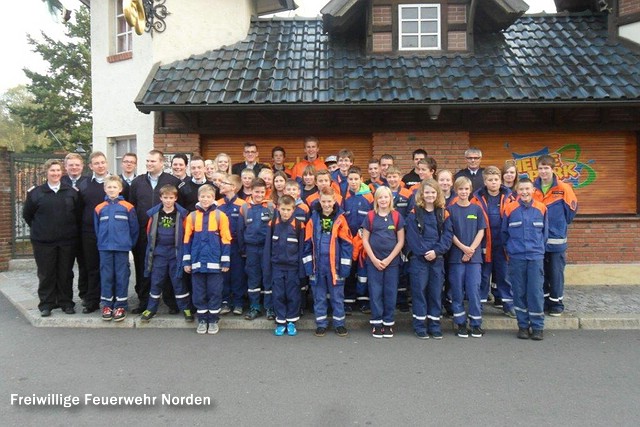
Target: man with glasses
<point>473,171</point>
<point>250,154</point>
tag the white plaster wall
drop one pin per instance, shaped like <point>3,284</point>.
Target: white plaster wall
<point>630,32</point>
<point>193,27</point>
<point>196,26</point>
<point>116,85</point>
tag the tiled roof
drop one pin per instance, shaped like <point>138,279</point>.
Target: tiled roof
<point>539,59</point>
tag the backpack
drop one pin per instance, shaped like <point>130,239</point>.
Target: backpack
<point>439,218</point>
<point>394,214</point>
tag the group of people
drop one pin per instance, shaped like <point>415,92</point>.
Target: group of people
<point>254,239</point>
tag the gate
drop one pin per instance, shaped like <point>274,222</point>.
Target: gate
<point>26,172</point>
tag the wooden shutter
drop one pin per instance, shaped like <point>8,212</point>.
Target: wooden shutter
<point>602,166</point>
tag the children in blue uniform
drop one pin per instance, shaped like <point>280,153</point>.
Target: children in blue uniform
<point>465,259</point>
<point>428,241</point>
<point>300,213</point>
<point>283,265</point>
<point>383,239</point>
<point>234,279</point>
<point>327,260</point>
<point>116,226</point>
<point>524,233</point>
<point>255,216</point>
<point>341,175</point>
<point>165,235</point>
<point>206,252</point>
<point>492,198</point>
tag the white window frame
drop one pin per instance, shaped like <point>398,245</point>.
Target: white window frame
<point>131,146</point>
<point>419,20</point>
<point>126,36</point>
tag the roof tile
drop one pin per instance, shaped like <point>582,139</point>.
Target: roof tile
<point>538,58</point>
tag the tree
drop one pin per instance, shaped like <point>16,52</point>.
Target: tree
<point>62,95</point>
<point>14,135</point>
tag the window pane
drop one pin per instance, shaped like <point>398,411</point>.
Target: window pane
<point>429,27</point>
<point>429,41</point>
<point>409,13</point>
<point>409,41</point>
<point>409,27</point>
<point>429,13</point>
<point>122,25</point>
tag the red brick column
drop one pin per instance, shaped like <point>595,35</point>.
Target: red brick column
<point>177,142</point>
<point>5,213</point>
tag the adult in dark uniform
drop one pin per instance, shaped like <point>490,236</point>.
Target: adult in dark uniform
<point>473,171</point>
<point>52,212</point>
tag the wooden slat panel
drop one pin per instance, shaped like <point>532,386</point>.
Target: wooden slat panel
<point>329,145</point>
<point>601,166</point>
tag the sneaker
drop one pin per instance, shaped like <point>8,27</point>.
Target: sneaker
<point>225,309</point>
<point>107,313</point>
<point>213,328</point>
<point>556,311</point>
<point>174,310</point>
<point>510,313</point>
<point>365,308</point>
<point>202,327</point>
<point>280,329</point>
<point>378,331</point>
<point>147,315</point>
<point>404,307</point>
<point>341,331</point>
<point>387,332</point>
<point>498,303</point>
<point>462,332</point>
<point>119,314</point>
<point>423,335</point>
<point>320,331</point>
<point>291,329</point>
<point>188,316</point>
<point>537,335</point>
<point>436,335</point>
<point>477,332</point>
<point>237,310</point>
<point>253,314</point>
<point>271,314</point>
<point>523,333</point>
<point>348,309</point>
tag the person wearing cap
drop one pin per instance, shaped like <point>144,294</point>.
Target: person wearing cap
<point>331,163</point>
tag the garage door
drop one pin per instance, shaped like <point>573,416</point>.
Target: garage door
<point>601,166</point>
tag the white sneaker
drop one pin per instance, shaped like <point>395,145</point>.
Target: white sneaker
<point>213,328</point>
<point>202,327</point>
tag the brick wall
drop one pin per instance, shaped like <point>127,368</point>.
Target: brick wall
<point>177,142</point>
<point>446,147</point>
<point>457,14</point>
<point>457,40</point>
<point>382,15</point>
<point>382,42</point>
<point>608,240</point>
<point>627,7</point>
<point>5,212</point>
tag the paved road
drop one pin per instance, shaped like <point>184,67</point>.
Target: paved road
<point>253,378</point>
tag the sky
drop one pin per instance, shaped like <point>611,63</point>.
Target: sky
<point>14,31</point>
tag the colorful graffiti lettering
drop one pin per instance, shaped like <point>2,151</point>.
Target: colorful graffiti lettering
<point>568,167</point>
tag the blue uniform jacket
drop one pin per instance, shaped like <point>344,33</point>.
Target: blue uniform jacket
<point>207,240</point>
<point>525,230</point>
<point>116,225</point>
<point>562,206</point>
<point>152,233</point>
<point>356,206</point>
<point>283,247</point>
<point>231,208</point>
<point>253,224</point>
<point>428,239</point>
<point>341,245</point>
<point>481,198</point>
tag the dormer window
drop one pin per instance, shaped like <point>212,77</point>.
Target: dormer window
<point>419,27</point>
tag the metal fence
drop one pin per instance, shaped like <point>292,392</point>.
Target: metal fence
<point>26,172</point>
